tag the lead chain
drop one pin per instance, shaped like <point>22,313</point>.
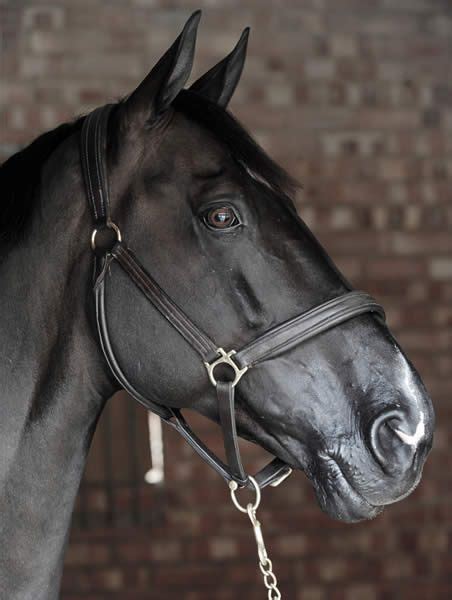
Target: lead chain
<point>265,564</point>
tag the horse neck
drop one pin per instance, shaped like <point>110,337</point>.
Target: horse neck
<point>53,381</point>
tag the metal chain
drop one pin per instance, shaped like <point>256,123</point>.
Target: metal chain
<point>265,564</point>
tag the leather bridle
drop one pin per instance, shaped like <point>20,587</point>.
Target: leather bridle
<point>108,245</point>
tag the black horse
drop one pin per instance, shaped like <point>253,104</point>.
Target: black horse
<point>211,217</point>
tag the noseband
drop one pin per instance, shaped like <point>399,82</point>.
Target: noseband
<point>108,246</point>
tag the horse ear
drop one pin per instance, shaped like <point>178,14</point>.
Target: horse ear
<point>220,82</point>
<point>159,88</point>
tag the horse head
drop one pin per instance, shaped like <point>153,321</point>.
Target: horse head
<point>212,218</point>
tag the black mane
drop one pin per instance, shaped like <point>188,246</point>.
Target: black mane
<point>19,177</point>
<point>20,174</point>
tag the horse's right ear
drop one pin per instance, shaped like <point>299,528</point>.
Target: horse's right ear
<point>156,92</point>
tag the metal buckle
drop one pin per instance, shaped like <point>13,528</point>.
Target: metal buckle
<point>108,225</point>
<point>225,358</point>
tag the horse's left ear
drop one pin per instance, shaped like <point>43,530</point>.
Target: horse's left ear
<point>156,92</point>
<point>220,82</point>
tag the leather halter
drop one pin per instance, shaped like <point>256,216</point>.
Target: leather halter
<point>108,246</point>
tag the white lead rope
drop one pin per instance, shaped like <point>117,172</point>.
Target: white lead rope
<point>265,564</point>
<point>156,473</point>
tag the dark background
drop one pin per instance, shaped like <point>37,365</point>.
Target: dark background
<point>354,97</point>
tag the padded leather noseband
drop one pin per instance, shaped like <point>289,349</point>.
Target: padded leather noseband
<point>108,247</point>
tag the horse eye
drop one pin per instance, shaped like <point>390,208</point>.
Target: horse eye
<point>221,217</point>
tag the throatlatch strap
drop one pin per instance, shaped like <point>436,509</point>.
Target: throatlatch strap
<point>104,335</point>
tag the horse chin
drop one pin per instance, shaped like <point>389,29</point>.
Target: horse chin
<point>338,498</point>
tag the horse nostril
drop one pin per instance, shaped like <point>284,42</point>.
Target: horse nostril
<point>394,440</point>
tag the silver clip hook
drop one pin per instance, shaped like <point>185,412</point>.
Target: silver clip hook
<point>261,549</point>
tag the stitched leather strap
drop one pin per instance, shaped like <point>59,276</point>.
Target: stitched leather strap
<point>197,339</point>
<point>306,326</point>
<point>107,348</point>
<point>93,156</point>
<point>268,475</point>
<point>226,410</point>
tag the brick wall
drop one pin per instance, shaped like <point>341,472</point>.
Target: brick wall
<point>355,98</point>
